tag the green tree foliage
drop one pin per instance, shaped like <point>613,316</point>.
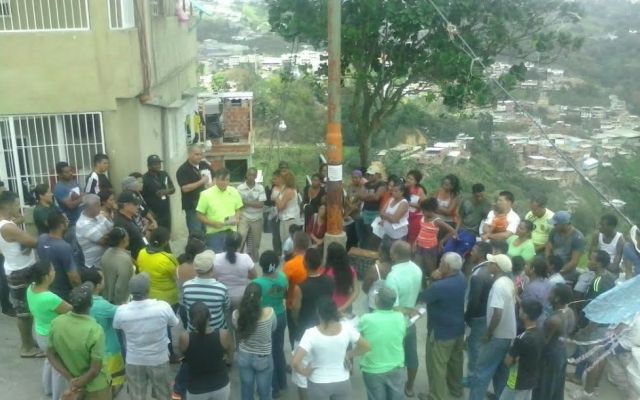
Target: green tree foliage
<point>623,179</point>
<point>388,47</point>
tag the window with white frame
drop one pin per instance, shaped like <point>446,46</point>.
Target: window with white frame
<point>43,15</point>
<point>5,8</point>
<point>121,14</point>
<point>31,145</point>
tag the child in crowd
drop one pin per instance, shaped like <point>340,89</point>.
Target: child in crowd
<point>287,247</point>
<point>427,247</point>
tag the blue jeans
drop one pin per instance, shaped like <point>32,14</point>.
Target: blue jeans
<point>215,241</point>
<point>279,361</point>
<point>478,327</point>
<point>193,223</point>
<point>490,366</point>
<point>257,371</point>
<point>385,386</point>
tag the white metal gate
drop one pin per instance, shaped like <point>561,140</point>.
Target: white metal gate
<point>31,145</point>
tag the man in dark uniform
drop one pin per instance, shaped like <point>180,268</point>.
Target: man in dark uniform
<point>156,189</point>
<point>193,177</point>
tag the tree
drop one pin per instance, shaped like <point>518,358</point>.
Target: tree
<point>391,48</point>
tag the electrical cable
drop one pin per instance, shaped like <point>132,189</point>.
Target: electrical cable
<point>468,50</point>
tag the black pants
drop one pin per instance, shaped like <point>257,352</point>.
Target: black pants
<point>4,289</point>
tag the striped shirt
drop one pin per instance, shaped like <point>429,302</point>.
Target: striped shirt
<point>213,294</point>
<point>259,342</point>
<point>428,236</point>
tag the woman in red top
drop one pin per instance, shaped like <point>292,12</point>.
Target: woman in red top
<point>344,277</point>
<point>448,197</point>
<point>417,196</point>
<point>427,247</point>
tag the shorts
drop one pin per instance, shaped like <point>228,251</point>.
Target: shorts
<point>410,345</point>
<point>18,282</point>
<point>432,252</point>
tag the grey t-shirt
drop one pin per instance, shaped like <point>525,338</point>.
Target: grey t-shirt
<point>472,214</point>
<point>565,245</point>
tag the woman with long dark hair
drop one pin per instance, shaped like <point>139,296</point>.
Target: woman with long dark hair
<point>417,195</point>
<point>204,350</point>
<point>117,266</point>
<point>327,344</point>
<point>255,324</point>
<point>274,286</point>
<point>448,197</point>
<point>234,269</point>
<point>344,277</point>
<point>45,306</point>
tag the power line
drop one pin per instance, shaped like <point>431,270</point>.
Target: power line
<point>468,50</point>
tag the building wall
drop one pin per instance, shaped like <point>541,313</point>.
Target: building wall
<point>100,70</point>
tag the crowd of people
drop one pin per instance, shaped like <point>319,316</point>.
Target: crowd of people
<point>99,292</point>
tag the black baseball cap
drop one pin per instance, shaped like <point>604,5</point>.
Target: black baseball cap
<point>153,159</point>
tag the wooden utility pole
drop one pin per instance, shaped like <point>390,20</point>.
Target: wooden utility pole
<point>334,126</point>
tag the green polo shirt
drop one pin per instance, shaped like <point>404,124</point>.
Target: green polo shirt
<point>406,279</point>
<point>384,330</point>
<point>543,227</point>
<point>78,340</point>
<point>218,205</point>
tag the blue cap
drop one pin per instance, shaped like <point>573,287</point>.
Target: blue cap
<point>562,218</point>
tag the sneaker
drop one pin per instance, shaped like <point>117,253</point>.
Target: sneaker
<point>580,394</point>
<point>175,396</point>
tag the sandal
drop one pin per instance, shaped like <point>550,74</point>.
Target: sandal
<point>37,353</point>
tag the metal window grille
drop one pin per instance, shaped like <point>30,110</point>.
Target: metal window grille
<point>121,14</point>
<point>43,15</point>
<point>31,145</point>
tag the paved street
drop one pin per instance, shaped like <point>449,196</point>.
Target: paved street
<point>20,378</point>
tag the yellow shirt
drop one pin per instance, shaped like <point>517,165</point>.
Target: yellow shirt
<point>161,268</point>
<point>218,205</point>
<point>543,227</point>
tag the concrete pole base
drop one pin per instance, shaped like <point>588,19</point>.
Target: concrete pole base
<point>328,239</point>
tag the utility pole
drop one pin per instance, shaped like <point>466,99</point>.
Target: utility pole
<point>335,216</point>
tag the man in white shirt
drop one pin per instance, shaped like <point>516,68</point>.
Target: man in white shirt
<point>251,219</point>
<point>502,221</point>
<point>144,323</point>
<point>501,330</point>
<point>92,229</point>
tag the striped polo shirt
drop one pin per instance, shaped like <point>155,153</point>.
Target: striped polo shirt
<point>213,294</point>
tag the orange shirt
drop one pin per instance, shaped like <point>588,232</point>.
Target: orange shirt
<point>296,273</point>
<point>500,223</point>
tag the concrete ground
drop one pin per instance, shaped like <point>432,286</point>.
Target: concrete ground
<point>20,379</point>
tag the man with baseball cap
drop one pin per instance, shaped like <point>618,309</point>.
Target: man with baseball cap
<point>128,204</point>
<point>144,322</point>
<point>501,330</point>
<point>205,288</point>
<point>156,189</point>
<point>370,194</point>
<point>566,242</point>
<point>384,329</point>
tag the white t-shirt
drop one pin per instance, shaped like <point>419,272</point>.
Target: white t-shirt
<point>513,220</point>
<point>256,193</point>
<point>503,296</point>
<point>327,353</point>
<point>234,276</point>
<point>145,327</point>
